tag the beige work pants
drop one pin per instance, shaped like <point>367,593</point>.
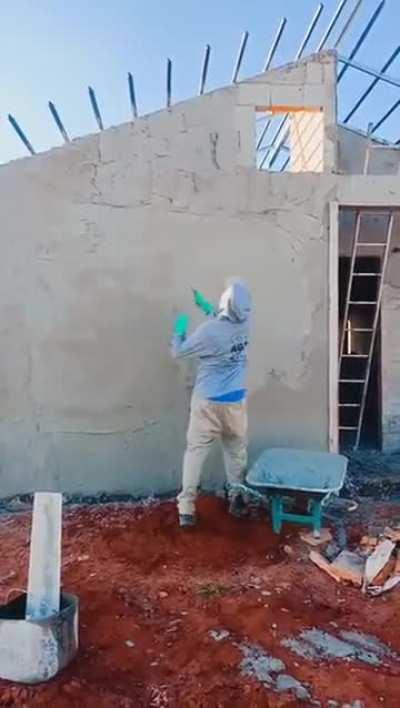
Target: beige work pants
<point>208,422</point>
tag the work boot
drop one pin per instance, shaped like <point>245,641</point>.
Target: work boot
<point>237,507</point>
<point>187,520</point>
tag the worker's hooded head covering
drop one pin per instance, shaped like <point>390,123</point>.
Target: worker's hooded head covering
<point>235,302</point>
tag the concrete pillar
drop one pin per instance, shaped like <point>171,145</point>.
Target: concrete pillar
<point>45,557</point>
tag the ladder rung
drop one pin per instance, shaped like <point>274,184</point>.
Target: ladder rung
<point>374,212</point>
<point>363,302</point>
<point>351,380</point>
<point>359,329</point>
<point>381,244</point>
<point>348,427</point>
<point>367,275</point>
<point>355,356</point>
<point>349,405</point>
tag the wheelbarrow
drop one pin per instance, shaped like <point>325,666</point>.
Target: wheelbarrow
<point>284,475</point>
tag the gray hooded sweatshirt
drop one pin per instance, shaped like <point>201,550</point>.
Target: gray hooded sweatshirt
<point>221,345</point>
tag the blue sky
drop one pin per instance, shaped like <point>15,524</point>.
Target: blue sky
<point>53,49</point>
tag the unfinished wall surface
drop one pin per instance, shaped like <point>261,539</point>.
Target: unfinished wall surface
<point>113,232</point>
<point>391,347</point>
<point>310,84</point>
<point>307,142</point>
<point>103,239</point>
<point>90,288</point>
<point>352,148</point>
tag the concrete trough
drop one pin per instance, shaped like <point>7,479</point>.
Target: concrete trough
<point>35,650</point>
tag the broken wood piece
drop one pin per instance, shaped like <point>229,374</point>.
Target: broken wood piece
<point>323,564</point>
<point>369,541</point>
<point>388,577</point>
<point>377,561</point>
<point>43,598</point>
<point>324,537</point>
<point>337,573</point>
<point>397,563</point>
<point>392,534</point>
<point>386,572</point>
<point>352,564</point>
<point>376,590</point>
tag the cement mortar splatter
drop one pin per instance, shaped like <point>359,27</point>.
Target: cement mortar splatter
<point>259,664</point>
<point>370,643</point>
<point>268,670</point>
<point>315,644</point>
<point>285,682</point>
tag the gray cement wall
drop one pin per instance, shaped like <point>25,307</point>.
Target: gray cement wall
<point>101,241</point>
<point>352,149</point>
<point>92,279</point>
<point>391,348</point>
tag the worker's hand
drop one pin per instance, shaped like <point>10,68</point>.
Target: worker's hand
<point>181,325</point>
<point>202,303</point>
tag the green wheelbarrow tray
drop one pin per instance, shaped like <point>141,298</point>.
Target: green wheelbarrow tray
<point>282,474</point>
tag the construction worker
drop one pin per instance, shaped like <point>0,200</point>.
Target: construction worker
<point>218,406</point>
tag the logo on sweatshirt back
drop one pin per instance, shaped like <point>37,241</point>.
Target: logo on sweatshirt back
<point>238,349</point>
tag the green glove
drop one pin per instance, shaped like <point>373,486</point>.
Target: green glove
<point>202,303</point>
<point>181,325</point>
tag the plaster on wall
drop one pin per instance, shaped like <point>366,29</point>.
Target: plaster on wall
<point>90,397</point>
<point>102,240</point>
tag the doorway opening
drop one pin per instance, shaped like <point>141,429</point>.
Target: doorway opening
<point>364,246</point>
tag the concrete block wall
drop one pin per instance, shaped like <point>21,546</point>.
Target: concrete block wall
<point>391,348</point>
<point>100,249</point>
<point>352,149</point>
<point>101,242</point>
<point>309,83</point>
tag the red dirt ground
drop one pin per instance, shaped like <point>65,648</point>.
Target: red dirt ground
<point>141,580</point>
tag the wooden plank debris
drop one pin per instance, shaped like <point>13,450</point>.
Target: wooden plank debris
<point>352,564</point>
<point>340,574</point>
<point>377,561</point>
<point>376,590</point>
<point>392,534</point>
<point>397,563</point>
<point>369,542</point>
